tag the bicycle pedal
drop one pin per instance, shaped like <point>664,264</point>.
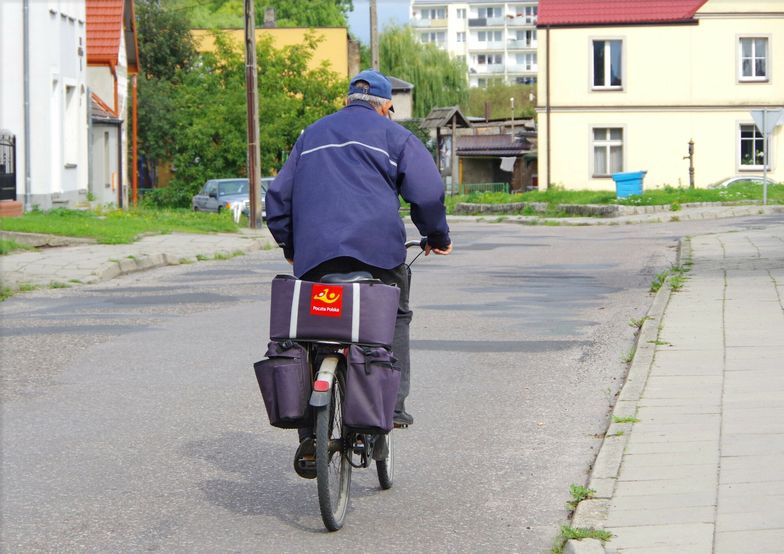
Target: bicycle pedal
<point>401,425</point>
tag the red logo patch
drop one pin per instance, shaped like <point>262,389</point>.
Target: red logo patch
<point>326,300</point>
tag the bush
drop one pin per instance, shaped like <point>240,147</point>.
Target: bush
<point>173,196</point>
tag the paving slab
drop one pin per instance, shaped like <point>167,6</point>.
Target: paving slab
<point>758,541</point>
<point>676,537</point>
<point>703,468</point>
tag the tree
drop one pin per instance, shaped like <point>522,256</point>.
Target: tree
<point>223,14</point>
<point>438,79</point>
<point>210,120</point>
<point>166,52</point>
<point>165,43</point>
<point>498,95</point>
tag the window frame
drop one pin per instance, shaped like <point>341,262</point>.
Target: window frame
<point>740,78</point>
<point>608,143</point>
<point>739,150</point>
<point>607,63</point>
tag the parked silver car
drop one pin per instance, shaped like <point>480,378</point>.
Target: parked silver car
<point>219,194</point>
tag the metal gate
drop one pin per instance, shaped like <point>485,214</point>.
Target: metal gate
<point>7,166</point>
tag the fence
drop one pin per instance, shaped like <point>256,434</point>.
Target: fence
<point>7,166</point>
<point>468,188</point>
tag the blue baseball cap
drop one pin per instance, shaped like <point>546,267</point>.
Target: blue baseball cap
<point>378,84</point>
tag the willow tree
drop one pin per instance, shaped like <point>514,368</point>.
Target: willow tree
<point>438,79</point>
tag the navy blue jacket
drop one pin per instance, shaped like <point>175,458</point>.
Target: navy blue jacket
<point>337,194</point>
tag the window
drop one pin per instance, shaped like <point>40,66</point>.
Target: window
<point>484,59</point>
<point>434,37</point>
<point>527,62</point>
<point>71,131</point>
<point>528,37</point>
<point>489,36</point>
<point>607,151</point>
<point>460,37</point>
<point>607,64</point>
<point>753,59</point>
<point>434,13</point>
<point>530,14</point>
<point>752,148</point>
<point>490,12</point>
<point>461,13</point>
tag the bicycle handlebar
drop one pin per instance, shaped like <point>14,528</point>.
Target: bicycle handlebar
<point>421,243</point>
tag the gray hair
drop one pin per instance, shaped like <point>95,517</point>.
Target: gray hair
<point>375,101</point>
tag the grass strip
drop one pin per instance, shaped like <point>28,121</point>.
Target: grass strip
<point>8,246</point>
<point>118,226</point>
<point>668,195</point>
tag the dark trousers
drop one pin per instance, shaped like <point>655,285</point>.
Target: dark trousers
<point>399,277</point>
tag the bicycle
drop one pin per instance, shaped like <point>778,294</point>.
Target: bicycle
<point>338,448</point>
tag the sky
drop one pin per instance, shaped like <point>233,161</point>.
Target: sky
<point>389,11</point>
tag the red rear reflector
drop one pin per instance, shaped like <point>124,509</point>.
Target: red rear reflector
<point>321,386</point>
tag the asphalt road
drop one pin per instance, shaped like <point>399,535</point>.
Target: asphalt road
<point>131,419</point>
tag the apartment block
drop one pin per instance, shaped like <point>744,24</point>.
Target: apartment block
<point>496,40</point>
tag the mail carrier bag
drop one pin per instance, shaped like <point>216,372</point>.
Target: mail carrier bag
<point>285,382</point>
<point>361,313</point>
<point>372,383</point>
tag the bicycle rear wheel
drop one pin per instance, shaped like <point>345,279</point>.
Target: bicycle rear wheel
<point>333,469</point>
<point>386,467</point>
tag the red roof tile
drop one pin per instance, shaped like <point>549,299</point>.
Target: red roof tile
<point>104,29</point>
<point>599,12</point>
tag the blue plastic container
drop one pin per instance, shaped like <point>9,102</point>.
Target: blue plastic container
<point>628,183</point>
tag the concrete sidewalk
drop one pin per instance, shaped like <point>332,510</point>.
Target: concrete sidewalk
<point>93,263</point>
<point>702,470</point>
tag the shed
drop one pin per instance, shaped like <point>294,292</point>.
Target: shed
<point>453,119</point>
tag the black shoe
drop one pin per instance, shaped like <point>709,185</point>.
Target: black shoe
<point>305,459</point>
<point>402,419</point>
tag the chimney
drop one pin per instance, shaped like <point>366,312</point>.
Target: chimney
<point>269,18</point>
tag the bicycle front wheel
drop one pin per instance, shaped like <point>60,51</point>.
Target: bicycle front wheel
<point>386,467</point>
<point>333,469</point>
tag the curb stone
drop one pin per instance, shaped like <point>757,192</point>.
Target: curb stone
<point>592,512</point>
<point>38,240</point>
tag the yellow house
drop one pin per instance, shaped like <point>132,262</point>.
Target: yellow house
<point>336,49</point>
<point>624,86</point>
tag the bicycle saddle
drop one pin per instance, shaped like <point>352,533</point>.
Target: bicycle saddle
<point>353,277</point>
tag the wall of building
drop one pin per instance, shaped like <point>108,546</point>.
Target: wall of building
<point>655,142</point>
<point>58,99</point>
<point>447,29</point>
<point>334,49</point>
<point>680,82</point>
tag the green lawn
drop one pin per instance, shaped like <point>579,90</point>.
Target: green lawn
<point>118,226</point>
<point>667,195</point>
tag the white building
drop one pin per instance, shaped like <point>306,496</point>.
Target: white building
<point>58,99</point>
<point>497,40</point>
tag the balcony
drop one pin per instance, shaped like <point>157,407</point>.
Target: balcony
<point>522,21</point>
<point>428,23</point>
<point>476,45</point>
<point>487,69</point>
<point>522,68</point>
<point>521,45</point>
<point>478,22</point>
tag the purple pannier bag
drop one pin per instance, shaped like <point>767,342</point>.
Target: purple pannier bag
<point>285,381</point>
<point>372,382</point>
<point>347,312</point>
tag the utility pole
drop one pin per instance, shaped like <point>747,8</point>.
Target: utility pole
<point>690,157</point>
<point>251,94</point>
<point>373,35</point>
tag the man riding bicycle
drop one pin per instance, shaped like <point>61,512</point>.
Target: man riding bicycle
<point>334,206</point>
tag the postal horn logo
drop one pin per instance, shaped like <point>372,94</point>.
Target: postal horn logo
<point>326,300</point>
